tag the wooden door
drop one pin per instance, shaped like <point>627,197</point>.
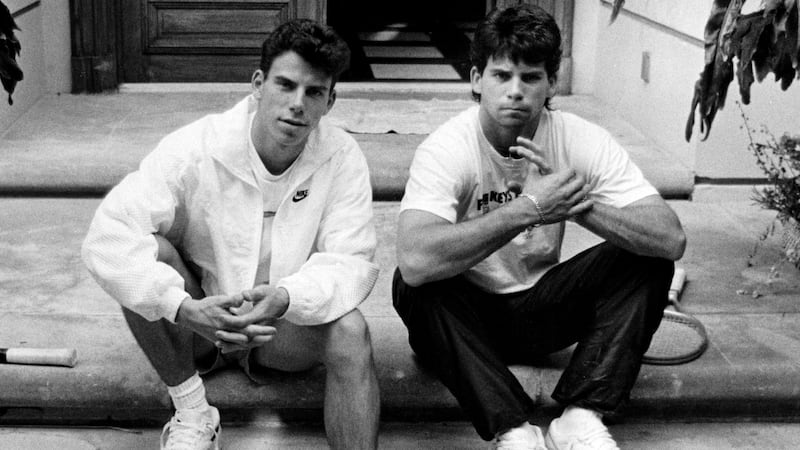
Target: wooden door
<point>200,40</point>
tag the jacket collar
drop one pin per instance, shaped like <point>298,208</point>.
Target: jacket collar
<point>231,143</point>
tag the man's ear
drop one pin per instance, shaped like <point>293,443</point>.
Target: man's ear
<point>475,80</point>
<point>551,91</point>
<point>257,82</point>
<point>331,100</point>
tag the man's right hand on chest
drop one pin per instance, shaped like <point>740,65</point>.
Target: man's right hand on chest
<point>559,196</point>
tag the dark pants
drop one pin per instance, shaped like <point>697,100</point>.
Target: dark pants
<point>608,300</point>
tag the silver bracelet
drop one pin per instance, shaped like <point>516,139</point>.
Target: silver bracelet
<point>538,209</point>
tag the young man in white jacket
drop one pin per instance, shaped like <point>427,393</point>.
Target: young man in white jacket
<point>247,238</point>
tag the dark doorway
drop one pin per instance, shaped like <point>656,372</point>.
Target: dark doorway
<point>412,40</point>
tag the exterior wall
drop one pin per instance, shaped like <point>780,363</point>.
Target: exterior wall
<point>608,64</point>
<point>57,49</point>
<point>44,58</point>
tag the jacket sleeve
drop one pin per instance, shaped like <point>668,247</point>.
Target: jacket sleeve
<point>340,274</point>
<point>120,250</point>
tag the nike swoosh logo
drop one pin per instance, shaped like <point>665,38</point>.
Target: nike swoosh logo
<point>299,195</point>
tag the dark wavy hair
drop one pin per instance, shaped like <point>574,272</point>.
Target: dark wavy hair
<point>318,44</point>
<point>522,33</point>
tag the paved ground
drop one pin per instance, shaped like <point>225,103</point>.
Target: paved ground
<point>404,436</point>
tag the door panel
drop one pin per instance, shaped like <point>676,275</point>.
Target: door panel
<point>202,41</point>
<point>218,29</point>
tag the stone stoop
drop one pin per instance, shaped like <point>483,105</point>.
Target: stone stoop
<point>49,300</point>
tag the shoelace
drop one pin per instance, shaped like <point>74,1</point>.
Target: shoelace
<point>599,439</point>
<point>183,435</point>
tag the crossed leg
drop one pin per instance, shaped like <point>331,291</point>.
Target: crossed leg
<point>352,401</point>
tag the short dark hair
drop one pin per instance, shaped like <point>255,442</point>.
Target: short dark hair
<point>522,33</point>
<point>316,43</point>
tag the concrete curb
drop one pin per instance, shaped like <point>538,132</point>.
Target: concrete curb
<point>85,144</point>
<point>49,300</point>
<point>388,156</point>
<point>114,382</point>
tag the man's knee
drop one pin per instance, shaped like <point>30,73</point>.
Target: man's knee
<point>169,255</point>
<point>134,320</point>
<point>167,252</point>
<point>658,272</point>
<point>659,267</point>
<point>426,299</point>
<point>348,342</point>
<point>654,278</point>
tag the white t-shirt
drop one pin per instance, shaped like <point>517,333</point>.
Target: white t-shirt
<point>273,189</point>
<point>456,174</point>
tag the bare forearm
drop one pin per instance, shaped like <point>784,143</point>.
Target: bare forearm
<point>649,229</point>
<point>430,248</point>
<point>441,250</point>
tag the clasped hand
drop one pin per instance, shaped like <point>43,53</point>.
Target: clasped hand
<point>561,195</point>
<point>236,322</point>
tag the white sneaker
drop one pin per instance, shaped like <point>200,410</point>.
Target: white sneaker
<point>192,430</point>
<point>594,436</point>
<point>526,437</point>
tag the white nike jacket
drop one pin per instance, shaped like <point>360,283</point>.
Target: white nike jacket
<point>198,190</point>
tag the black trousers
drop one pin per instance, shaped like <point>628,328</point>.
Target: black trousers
<point>606,299</point>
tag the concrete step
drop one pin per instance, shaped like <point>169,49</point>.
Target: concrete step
<point>49,300</point>
<point>85,144</point>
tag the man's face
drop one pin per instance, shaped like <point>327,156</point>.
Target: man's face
<point>292,97</point>
<point>512,94</point>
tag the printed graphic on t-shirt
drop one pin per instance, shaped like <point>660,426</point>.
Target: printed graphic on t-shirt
<point>487,199</point>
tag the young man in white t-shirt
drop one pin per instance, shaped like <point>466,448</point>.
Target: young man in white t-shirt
<point>246,238</point>
<point>480,284</point>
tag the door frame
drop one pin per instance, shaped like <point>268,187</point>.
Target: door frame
<point>94,36</point>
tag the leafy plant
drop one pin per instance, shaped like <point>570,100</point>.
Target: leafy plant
<point>10,73</point>
<point>779,159</point>
<point>765,41</point>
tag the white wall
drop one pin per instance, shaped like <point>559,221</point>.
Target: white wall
<point>44,58</point>
<point>585,28</point>
<point>57,46</point>
<point>607,64</point>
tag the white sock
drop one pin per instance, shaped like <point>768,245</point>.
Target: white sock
<point>578,418</point>
<point>525,432</point>
<point>191,394</point>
